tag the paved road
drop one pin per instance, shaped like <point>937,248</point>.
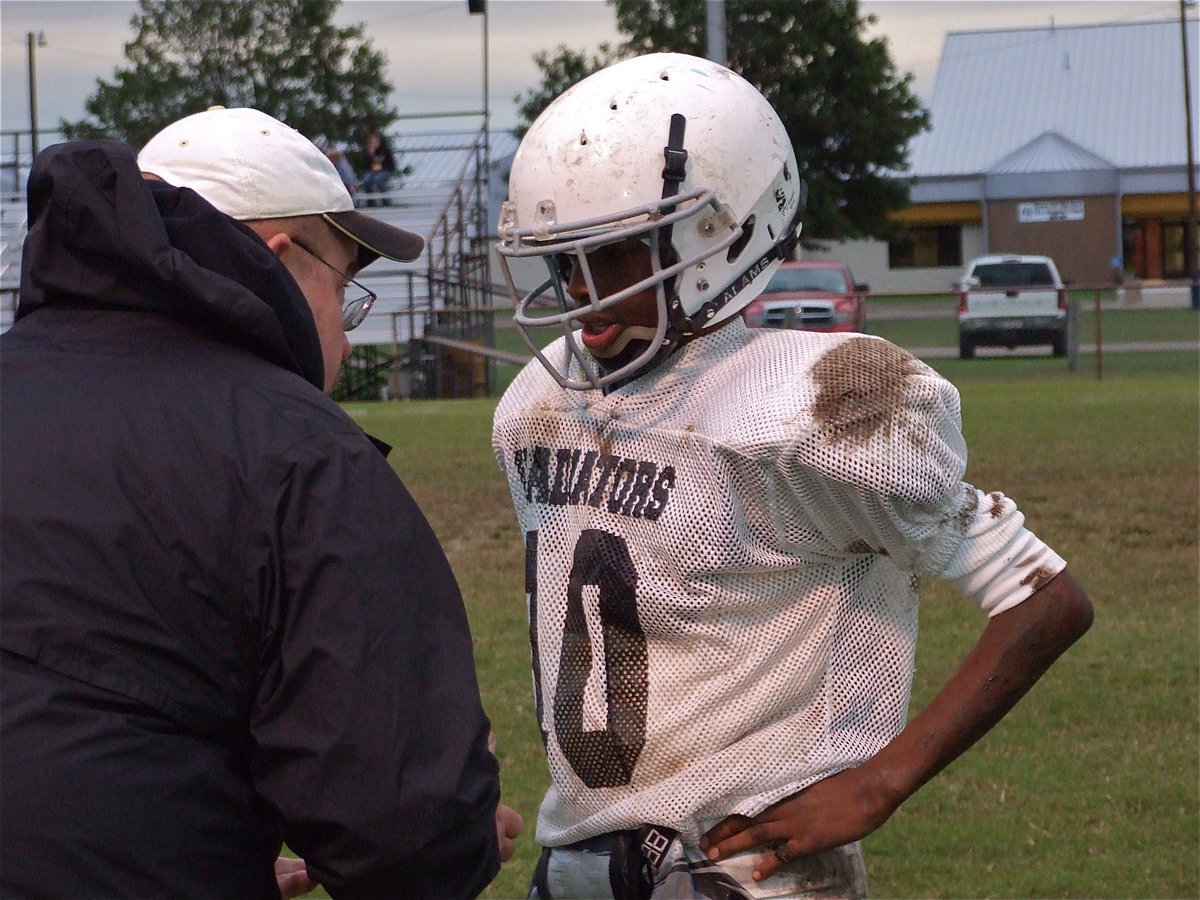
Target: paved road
<point>937,309</point>
<point>948,352</point>
<point>945,306</point>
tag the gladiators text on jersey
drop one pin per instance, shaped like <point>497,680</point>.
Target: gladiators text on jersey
<point>572,477</point>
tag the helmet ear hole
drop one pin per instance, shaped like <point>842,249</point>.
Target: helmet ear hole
<point>736,248</point>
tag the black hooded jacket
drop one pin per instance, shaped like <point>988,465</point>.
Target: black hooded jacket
<point>224,622</point>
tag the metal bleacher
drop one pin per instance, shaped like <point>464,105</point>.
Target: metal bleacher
<point>403,289</point>
<point>430,313</point>
<point>12,235</point>
<point>430,310</point>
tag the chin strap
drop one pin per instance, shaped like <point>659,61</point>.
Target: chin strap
<point>672,342</point>
<point>673,175</point>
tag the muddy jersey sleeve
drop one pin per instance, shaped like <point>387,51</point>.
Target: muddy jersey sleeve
<point>882,464</point>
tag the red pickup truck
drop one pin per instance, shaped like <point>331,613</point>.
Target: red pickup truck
<point>811,295</point>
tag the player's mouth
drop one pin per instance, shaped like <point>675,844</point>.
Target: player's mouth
<point>599,336</point>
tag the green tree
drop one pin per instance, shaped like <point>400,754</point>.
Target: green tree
<point>284,57</point>
<point>849,113</point>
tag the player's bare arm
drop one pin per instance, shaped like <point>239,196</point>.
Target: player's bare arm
<point>1015,650</point>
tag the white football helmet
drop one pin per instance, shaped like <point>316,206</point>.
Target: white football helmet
<point>676,151</point>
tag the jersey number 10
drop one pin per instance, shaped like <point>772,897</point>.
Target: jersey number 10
<point>603,758</point>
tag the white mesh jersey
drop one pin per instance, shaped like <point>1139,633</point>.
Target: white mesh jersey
<point>722,562</point>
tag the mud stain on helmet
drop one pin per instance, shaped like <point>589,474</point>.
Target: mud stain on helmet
<point>862,383</point>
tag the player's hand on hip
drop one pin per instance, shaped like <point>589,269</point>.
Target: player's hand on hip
<point>838,810</point>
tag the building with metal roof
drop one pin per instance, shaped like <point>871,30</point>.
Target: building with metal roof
<point>1065,141</point>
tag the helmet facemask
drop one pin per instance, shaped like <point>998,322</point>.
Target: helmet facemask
<point>563,248</point>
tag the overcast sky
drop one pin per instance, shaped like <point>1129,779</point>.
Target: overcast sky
<point>435,49</point>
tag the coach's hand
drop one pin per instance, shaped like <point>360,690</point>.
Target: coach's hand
<point>508,825</point>
<point>291,876</point>
<point>508,821</point>
<point>837,810</point>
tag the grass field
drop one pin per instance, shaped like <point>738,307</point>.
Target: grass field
<point>1089,788</point>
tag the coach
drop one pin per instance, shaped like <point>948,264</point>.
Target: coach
<point>225,623</point>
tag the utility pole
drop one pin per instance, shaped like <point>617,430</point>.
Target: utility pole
<point>1189,227</point>
<point>480,7</point>
<point>33,42</point>
<point>715,23</point>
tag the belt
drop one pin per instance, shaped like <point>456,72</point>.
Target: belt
<point>651,840</point>
<point>634,857</point>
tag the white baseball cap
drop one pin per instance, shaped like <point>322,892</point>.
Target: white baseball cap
<point>252,166</point>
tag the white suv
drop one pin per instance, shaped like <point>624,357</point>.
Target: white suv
<point>1007,300</point>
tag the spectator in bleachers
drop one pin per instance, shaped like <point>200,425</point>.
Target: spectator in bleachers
<point>379,165</point>
<point>335,155</point>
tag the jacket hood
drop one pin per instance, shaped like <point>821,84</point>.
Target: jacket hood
<point>100,235</point>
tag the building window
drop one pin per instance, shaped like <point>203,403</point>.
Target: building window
<point>926,247</point>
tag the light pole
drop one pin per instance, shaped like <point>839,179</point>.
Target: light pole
<point>1189,227</point>
<point>33,42</point>
<point>715,28</point>
<point>479,7</point>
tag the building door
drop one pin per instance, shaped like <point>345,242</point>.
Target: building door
<point>1141,241</point>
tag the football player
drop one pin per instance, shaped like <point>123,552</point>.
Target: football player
<point>725,528</point>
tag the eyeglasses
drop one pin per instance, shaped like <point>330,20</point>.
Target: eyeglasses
<point>354,309</point>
